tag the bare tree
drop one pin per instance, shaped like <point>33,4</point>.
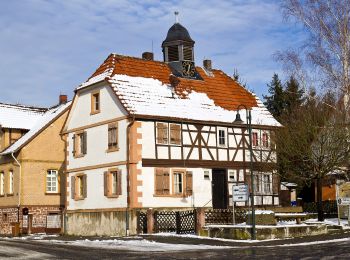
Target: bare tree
<point>326,50</point>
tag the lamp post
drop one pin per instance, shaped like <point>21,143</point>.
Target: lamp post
<point>249,128</point>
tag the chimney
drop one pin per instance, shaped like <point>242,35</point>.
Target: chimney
<point>207,65</point>
<point>62,99</point>
<point>147,55</point>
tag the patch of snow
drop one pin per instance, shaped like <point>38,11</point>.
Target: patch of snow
<point>135,245</point>
<point>312,243</point>
<point>262,212</point>
<point>147,96</point>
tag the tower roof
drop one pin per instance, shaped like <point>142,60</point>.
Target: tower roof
<point>178,33</point>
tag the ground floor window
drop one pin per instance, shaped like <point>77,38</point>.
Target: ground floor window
<point>52,181</point>
<point>178,183</point>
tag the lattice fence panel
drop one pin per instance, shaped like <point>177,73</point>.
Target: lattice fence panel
<point>186,222</point>
<point>329,207</point>
<point>225,216</point>
<point>142,222</point>
<point>165,221</point>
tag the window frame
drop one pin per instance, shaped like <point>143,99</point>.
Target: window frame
<point>110,146</point>
<point>255,141</point>
<point>265,140</point>
<point>224,137</point>
<point>108,183</point>
<point>170,131</point>
<point>181,173</point>
<point>79,144</point>
<point>95,102</point>
<point>2,184</point>
<point>10,183</point>
<point>80,186</point>
<point>268,184</point>
<point>57,191</point>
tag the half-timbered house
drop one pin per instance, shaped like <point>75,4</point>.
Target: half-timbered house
<point>160,134</point>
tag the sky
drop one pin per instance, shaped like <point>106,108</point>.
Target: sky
<point>49,47</point>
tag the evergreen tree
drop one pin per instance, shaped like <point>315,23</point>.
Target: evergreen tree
<point>294,95</point>
<point>275,102</point>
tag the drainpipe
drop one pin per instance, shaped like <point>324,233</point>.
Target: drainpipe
<point>64,211</point>
<point>128,174</point>
<point>19,186</point>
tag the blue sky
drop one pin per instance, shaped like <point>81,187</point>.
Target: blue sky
<point>49,47</point>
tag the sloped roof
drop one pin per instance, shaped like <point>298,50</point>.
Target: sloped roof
<point>19,116</point>
<point>43,121</point>
<point>149,88</point>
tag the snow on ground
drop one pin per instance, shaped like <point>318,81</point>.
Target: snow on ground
<point>330,221</point>
<point>39,236</point>
<point>135,245</point>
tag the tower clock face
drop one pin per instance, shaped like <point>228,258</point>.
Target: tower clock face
<point>188,69</point>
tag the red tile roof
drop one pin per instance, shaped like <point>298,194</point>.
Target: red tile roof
<point>222,89</point>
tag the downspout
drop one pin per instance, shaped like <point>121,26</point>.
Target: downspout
<point>19,186</point>
<point>64,211</point>
<point>128,175</point>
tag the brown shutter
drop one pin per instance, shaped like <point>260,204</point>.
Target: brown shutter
<point>84,143</point>
<point>175,134</point>
<point>105,183</point>
<point>189,183</point>
<point>72,186</point>
<point>116,134</point>
<point>166,181</point>
<point>248,182</point>
<point>74,144</point>
<point>275,183</point>
<point>119,182</point>
<point>162,133</point>
<point>109,136</point>
<point>84,179</point>
<point>159,181</point>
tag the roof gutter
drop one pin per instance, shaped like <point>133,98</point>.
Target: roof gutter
<point>19,184</point>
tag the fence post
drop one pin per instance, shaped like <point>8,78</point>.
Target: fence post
<point>200,219</point>
<point>150,221</point>
<point>178,222</point>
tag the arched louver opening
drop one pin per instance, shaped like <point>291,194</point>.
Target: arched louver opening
<point>188,52</point>
<point>173,53</point>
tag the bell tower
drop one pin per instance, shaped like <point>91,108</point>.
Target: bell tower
<point>178,49</point>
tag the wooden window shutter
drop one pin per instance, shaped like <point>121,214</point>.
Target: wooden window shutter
<point>106,184</point>
<point>275,183</point>
<point>74,144</point>
<point>84,143</point>
<point>166,181</point>
<point>248,182</point>
<point>159,181</point>
<point>189,183</point>
<point>162,133</point>
<point>119,182</point>
<point>84,179</point>
<point>72,185</point>
<point>175,134</point>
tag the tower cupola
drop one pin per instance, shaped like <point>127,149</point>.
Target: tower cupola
<point>178,49</point>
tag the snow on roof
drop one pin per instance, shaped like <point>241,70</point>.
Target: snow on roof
<point>147,96</point>
<point>19,116</point>
<point>41,123</point>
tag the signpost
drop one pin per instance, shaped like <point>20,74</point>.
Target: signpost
<point>239,194</point>
<point>343,197</point>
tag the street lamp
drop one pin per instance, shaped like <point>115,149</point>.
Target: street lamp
<point>249,127</point>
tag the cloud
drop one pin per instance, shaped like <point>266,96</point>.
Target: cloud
<point>49,47</point>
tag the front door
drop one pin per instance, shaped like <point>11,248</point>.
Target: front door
<point>219,189</point>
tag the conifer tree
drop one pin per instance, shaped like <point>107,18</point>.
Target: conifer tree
<point>275,102</point>
<point>294,95</point>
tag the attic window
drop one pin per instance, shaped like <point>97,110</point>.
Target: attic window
<point>173,53</point>
<point>187,50</point>
<point>95,102</point>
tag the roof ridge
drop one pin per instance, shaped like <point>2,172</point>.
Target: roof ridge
<point>22,106</point>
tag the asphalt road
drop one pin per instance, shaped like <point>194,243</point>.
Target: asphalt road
<point>287,249</point>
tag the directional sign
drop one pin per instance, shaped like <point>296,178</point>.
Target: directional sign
<point>344,194</point>
<point>240,193</point>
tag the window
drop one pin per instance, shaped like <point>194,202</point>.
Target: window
<point>80,144</point>
<point>2,184</point>
<point>11,182</point>
<point>175,134</point>
<point>173,53</point>
<point>267,183</point>
<point>79,186</point>
<point>178,183</point>
<point>162,181</point>
<point>222,137</point>
<point>95,103</point>
<point>265,140</point>
<point>112,183</point>
<point>113,137</point>
<point>206,175</point>
<point>162,133</point>
<point>231,176</point>
<point>52,181</point>
<point>255,140</point>
<point>257,183</point>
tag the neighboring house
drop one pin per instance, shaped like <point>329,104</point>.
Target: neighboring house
<point>31,183</point>
<point>148,134</point>
<point>15,121</point>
